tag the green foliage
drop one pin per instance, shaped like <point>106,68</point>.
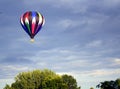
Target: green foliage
<point>110,84</point>
<point>7,87</point>
<point>69,81</point>
<point>91,88</point>
<point>42,79</point>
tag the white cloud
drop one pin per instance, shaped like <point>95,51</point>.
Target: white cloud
<point>117,61</point>
<point>73,6</point>
<point>104,72</point>
<point>95,73</point>
<point>69,23</point>
<point>13,67</point>
<point>114,62</point>
<point>74,65</point>
<point>10,71</point>
<point>111,3</point>
<point>43,64</point>
<point>95,43</point>
<point>65,23</point>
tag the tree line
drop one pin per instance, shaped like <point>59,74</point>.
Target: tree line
<point>47,79</point>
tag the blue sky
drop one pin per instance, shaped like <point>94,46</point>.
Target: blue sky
<point>80,38</point>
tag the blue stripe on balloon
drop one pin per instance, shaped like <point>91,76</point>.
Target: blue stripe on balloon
<point>33,14</point>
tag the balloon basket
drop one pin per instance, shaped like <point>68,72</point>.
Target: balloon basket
<point>32,40</point>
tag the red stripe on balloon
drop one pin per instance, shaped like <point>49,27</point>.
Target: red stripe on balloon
<point>27,15</point>
<point>33,28</point>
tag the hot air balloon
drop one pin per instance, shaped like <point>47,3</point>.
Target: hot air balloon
<point>32,22</point>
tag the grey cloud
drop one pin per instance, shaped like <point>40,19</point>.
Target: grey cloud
<point>16,61</point>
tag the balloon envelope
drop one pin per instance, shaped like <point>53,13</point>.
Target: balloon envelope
<point>32,22</point>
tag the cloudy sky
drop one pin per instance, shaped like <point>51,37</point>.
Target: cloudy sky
<point>80,38</point>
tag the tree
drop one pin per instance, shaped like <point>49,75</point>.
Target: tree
<point>42,79</point>
<point>109,84</point>
<point>69,81</point>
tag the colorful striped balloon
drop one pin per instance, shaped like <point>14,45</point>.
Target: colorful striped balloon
<point>32,23</point>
